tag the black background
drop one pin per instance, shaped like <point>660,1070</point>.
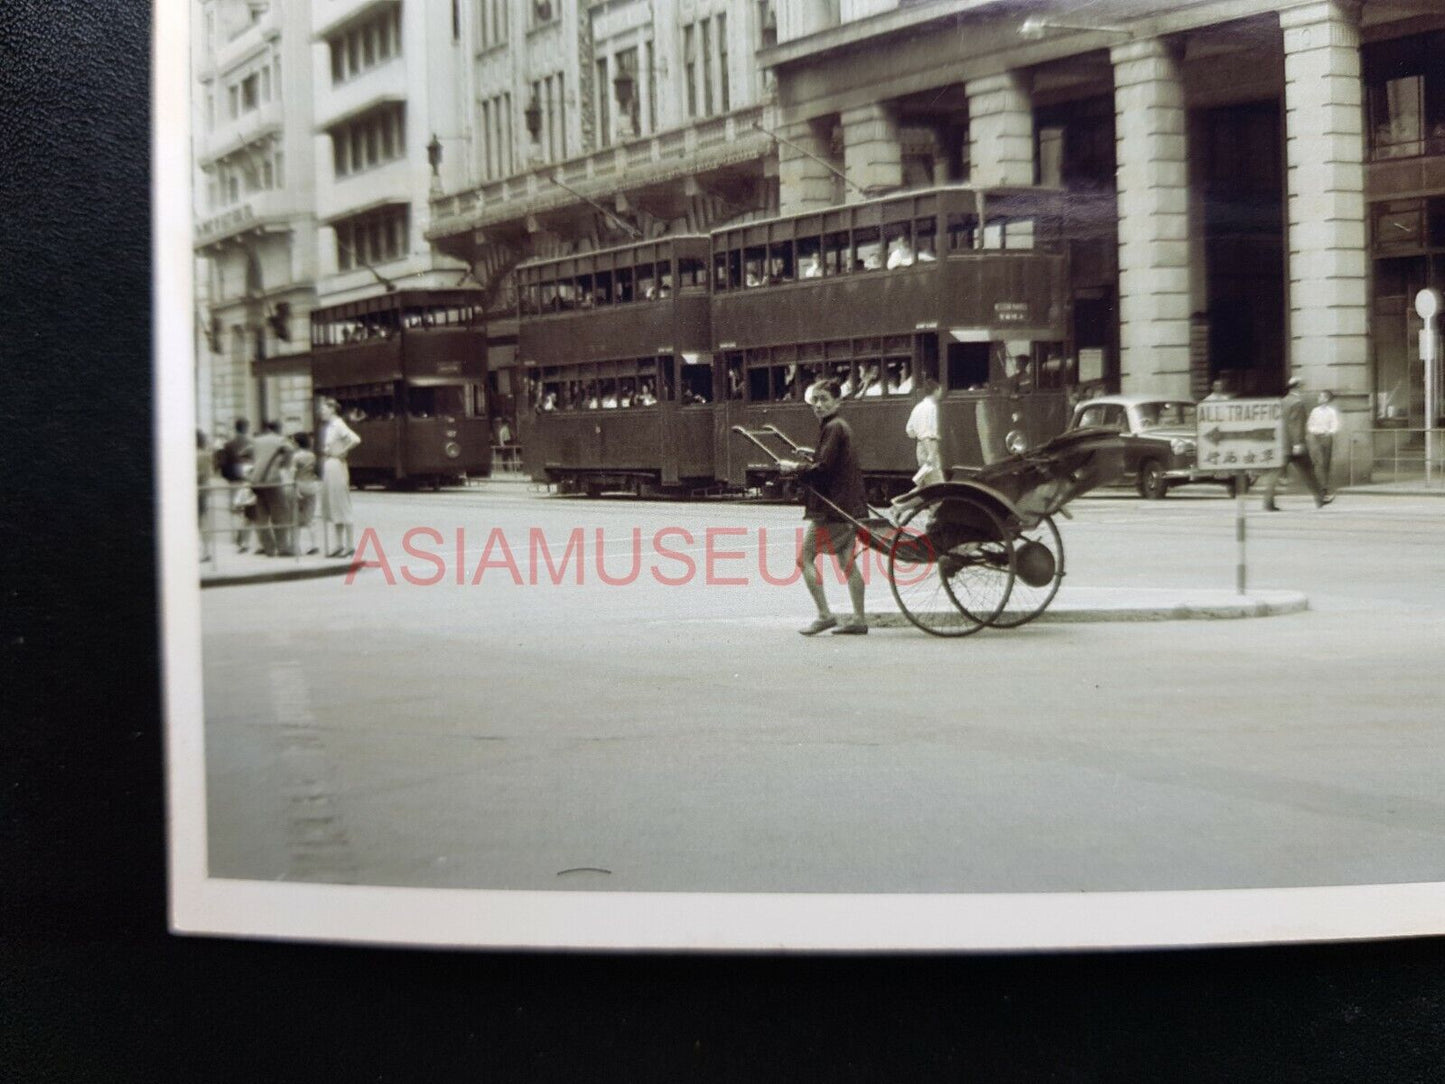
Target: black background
<point>95,989</point>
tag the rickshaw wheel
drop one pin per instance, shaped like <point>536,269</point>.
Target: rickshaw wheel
<point>957,591</point>
<point>1026,601</point>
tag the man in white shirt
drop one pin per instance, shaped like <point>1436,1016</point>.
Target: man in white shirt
<point>1320,430</point>
<point>923,429</point>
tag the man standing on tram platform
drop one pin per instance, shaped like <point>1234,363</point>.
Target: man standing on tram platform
<point>835,492</point>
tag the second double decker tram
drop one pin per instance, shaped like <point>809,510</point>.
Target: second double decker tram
<point>617,351</point>
<point>409,371</point>
<point>967,287</point>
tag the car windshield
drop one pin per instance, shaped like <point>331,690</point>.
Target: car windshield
<point>1171,413</point>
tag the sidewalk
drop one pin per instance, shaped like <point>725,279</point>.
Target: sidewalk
<point>1415,487</point>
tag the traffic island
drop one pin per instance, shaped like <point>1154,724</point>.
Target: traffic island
<point>1081,604</point>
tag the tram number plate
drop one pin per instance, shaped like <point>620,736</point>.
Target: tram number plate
<point>1240,434</point>
<point>1010,312</point>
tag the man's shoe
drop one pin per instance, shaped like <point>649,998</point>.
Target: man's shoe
<point>1328,498</point>
<point>851,630</point>
<point>1271,508</point>
<point>823,624</point>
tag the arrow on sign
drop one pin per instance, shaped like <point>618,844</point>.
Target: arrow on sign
<point>1219,436</point>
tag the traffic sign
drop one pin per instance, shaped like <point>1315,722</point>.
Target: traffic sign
<point>1240,435</point>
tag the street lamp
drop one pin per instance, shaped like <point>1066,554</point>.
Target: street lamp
<point>434,154</point>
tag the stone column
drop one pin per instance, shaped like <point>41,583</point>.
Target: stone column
<point>872,156</point>
<point>1325,205</point>
<point>1154,243</point>
<point>1001,129</point>
<point>804,182</point>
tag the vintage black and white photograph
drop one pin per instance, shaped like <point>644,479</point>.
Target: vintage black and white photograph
<point>803,474</point>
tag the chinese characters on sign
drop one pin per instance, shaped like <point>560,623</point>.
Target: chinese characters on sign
<point>1241,434</point>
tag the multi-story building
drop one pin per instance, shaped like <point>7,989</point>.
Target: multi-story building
<point>390,129</point>
<point>1269,174</point>
<point>255,236</point>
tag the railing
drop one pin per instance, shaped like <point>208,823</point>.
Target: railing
<point>506,460</point>
<point>225,520</point>
<point>1391,455</point>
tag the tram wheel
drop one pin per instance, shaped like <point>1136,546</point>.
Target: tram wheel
<point>951,567</point>
<point>1039,561</point>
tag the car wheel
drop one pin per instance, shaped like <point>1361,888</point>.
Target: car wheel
<point>1151,480</point>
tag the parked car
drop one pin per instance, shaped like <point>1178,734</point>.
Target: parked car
<point>1160,439</point>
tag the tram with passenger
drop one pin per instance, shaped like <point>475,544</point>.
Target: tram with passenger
<point>409,371</point>
<point>962,286</point>
<point>617,350</point>
<point>965,286</point>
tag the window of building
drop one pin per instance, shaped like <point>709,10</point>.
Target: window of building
<point>544,12</point>
<point>630,108</point>
<point>604,111</point>
<point>250,93</point>
<point>724,95</point>
<point>651,89</point>
<point>492,23</point>
<point>233,95</point>
<point>372,238</point>
<point>705,34</point>
<point>689,67</point>
<point>369,140</point>
<point>366,44</point>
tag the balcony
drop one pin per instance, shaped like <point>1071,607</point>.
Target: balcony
<point>657,159</point>
<point>228,137</point>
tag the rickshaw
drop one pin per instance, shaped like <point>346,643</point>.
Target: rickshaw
<point>980,550</point>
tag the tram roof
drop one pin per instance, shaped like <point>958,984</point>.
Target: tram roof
<point>399,299</point>
<point>630,246</point>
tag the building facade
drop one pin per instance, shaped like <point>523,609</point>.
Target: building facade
<point>254,210</point>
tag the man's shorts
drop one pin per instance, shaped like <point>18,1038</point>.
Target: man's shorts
<point>834,536</point>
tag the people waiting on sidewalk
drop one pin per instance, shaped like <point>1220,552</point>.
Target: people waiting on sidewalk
<point>337,441</point>
<point>1320,430</point>
<point>275,501</point>
<point>308,492</point>
<point>236,461</point>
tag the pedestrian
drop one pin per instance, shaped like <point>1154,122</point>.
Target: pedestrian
<point>834,492</point>
<point>922,428</point>
<point>1320,429</point>
<point>236,461</point>
<point>204,478</point>
<point>275,501</point>
<point>308,491</point>
<point>337,440</point>
<point>1218,390</point>
<point>1296,454</point>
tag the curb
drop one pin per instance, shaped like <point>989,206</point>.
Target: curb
<point>279,576</point>
<point>1192,606</point>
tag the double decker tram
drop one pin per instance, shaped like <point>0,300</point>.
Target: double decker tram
<point>617,352</point>
<point>964,286</point>
<point>409,370</point>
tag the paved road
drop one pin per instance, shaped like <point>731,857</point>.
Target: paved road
<point>678,738</point>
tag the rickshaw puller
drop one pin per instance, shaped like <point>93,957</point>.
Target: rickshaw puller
<point>834,474</point>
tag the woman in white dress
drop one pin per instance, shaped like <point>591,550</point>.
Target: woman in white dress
<point>337,440</point>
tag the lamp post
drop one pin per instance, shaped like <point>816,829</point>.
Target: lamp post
<point>532,115</point>
<point>1427,306</point>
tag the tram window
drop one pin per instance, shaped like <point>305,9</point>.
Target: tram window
<point>967,366</point>
<point>691,271</point>
<point>696,384</point>
<point>842,372</point>
<point>624,285</point>
<point>961,231</point>
<point>735,376</point>
<point>754,265</point>
<point>759,385</point>
<point>785,380</point>
<point>898,376</point>
<point>835,253</point>
<point>1009,233</point>
<point>925,239</point>
<point>780,262</point>
<point>665,383</point>
<point>566,295</point>
<point>664,278</point>
<point>646,383</point>
<point>870,379</point>
<point>603,290</point>
<point>868,253</point>
<point>626,391</point>
<point>646,281</point>
<point>720,271</point>
<point>810,257</point>
<point>608,396</point>
<point>898,242</point>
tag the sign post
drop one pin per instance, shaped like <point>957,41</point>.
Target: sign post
<point>1427,306</point>
<point>1240,436</point>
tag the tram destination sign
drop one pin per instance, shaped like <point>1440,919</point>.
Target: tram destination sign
<point>1240,434</point>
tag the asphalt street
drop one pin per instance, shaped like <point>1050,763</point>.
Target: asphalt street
<point>435,723</point>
